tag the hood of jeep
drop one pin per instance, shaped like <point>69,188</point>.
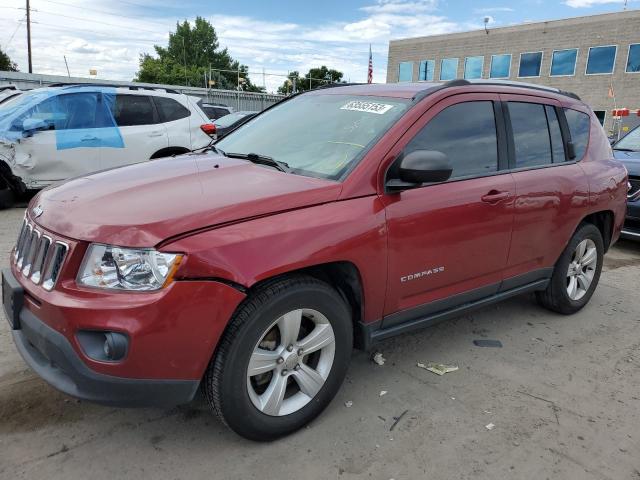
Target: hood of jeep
<point>144,204</point>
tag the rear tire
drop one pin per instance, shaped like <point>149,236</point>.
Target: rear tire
<point>281,359</point>
<point>576,273</point>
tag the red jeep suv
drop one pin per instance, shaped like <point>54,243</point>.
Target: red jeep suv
<point>336,218</point>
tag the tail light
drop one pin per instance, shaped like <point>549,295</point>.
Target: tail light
<point>209,129</point>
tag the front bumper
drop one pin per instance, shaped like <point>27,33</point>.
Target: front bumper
<point>166,358</point>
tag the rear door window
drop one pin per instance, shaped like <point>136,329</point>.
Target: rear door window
<point>555,133</point>
<point>131,110</point>
<point>466,133</point>
<point>530,134</point>
<point>170,110</point>
<point>579,124</point>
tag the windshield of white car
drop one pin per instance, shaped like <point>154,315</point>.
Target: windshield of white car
<point>631,142</point>
<point>319,135</point>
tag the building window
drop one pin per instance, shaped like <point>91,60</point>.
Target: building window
<point>405,72</point>
<point>500,66</point>
<point>601,60</point>
<point>530,64</point>
<point>473,67</point>
<point>427,68</point>
<point>563,62</point>
<point>633,58</point>
<point>448,69</point>
<point>602,115</point>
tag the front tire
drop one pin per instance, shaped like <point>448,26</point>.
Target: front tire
<point>576,273</point>
<point>282,358</point>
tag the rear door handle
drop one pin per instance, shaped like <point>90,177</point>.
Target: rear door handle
<point>88,139</point>
<point>156,134</point>
<point>495,196</point>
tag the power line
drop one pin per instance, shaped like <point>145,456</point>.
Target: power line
<point>103,11</point>
<point>15,31</point>
<point>90,20</point>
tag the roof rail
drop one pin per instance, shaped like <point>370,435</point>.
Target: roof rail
<point>334,85</point>
<point>509,83</point>
<point>130,87</point>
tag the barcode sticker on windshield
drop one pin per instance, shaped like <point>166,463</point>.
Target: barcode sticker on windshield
<point>371,107</point>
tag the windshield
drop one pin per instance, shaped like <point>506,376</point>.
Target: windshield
<point>630,142</point>
<point>317,135</point>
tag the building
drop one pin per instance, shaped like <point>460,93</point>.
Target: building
<point>596,57</point>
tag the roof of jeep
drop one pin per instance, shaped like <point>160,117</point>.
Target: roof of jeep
<point>415,90</point>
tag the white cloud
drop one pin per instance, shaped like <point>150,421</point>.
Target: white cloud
<point>493,10</point>
<point>591,3</point>
<point>110,37</point>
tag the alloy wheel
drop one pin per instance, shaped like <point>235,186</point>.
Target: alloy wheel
<point>582,269</point>
<point>291,362</point>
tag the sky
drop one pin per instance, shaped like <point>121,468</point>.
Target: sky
<point>271,36</point>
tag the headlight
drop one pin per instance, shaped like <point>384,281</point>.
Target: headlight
<point>105,266</point>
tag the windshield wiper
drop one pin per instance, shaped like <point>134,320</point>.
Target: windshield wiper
<point>626,149</point>
<point>259,160</point>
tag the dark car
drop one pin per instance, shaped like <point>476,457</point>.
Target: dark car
<point>340,218</point>
<point>229,122</point>
<point>627,151</point>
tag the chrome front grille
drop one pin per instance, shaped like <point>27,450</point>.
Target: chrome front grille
<point>38,256</point>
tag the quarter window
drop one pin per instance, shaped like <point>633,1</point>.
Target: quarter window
<point>466,133</point>
<point>601,60</point>
<point>427,68</point>
<point>405,72</point>
<point>500,66</point>
<point>530,64</point>
<point>130,110</point>
<point>170,110</point>
<point>530,134</point>
<point>633,60</point>
<point>473,67</point>
<point>579,130</point>
<point>563,62</point>
<point>448,69</point>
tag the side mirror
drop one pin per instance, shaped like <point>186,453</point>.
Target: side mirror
<point>421,166</point>
<point>32,125</point>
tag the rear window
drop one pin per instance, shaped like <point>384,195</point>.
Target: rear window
<point>170,110</point>
<point>131,110</point>
<point>230,119</point>
<point>579,123</point>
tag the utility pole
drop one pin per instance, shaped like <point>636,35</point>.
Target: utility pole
<point>29,36</point>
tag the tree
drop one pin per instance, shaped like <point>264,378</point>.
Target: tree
<point>314,78</point>
<point>189,55</point>
<point>6,64</point>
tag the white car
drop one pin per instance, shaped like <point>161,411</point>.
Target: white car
<point>55,133</point>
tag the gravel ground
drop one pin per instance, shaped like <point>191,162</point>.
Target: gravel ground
<point>563,394</point>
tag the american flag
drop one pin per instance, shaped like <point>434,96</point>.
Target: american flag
<point>370,73</point>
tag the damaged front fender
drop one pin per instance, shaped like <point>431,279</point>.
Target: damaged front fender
<point>7,163</point>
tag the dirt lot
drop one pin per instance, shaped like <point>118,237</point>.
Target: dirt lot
<point>563,394</point>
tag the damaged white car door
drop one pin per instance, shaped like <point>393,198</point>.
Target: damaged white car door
<point>64,137</point>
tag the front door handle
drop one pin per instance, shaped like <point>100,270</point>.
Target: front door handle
<point>88,139</point>
<point>495,196</point>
